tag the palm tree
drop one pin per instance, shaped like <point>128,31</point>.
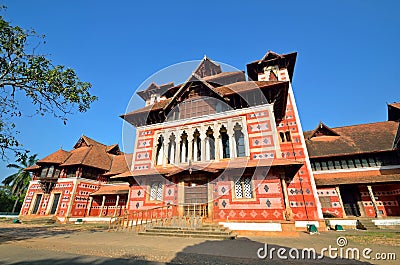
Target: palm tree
<point>19,182</point>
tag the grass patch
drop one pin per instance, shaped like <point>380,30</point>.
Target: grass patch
<point>386,238</point>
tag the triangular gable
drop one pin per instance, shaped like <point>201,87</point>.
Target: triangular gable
<point>113,149</point>
<point>187,86</point>
<point>86,141</point>
<point>323,130</point>
<point>270,55</point>
<point>207,67</point>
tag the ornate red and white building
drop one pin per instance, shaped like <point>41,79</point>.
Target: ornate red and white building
<point>227,147</point>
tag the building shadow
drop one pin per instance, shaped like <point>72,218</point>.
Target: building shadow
<point>244,251</point>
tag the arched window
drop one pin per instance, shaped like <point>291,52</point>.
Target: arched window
<point>160,150</point>
<point>210,144</point>
<point>225,142</point>
<point>196,146</point>
<point>239,139</point>
<point>171,149</point>
<point>282,136</point>
<point>288,137</point>
<point>184,148</point>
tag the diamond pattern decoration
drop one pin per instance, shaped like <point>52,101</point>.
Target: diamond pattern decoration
<point>224,203</point>
<point>256,142</point>
<point>137,205</point>
<point>169,192</point>
<point>223,190</point>
<point>232,214</point>
<point>266,141</point>
<point>264,214</point>
<point>266,188</point>
<point>277,214</point>
<point>242,214</point>
<point>139,193</point>
<point>308,191</point>
<point>253,214</point>
<point>268,203</point>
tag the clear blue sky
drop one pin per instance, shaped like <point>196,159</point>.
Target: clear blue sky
<point>347,67</point>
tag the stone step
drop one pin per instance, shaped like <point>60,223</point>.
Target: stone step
<point>368,225</point>
<point>169,234</point>
<point>201,228</point>
<point>37,220</point>
<point>188,231</point>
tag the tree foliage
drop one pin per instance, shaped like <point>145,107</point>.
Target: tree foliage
<point>19,181</point>
<point>52,89</point>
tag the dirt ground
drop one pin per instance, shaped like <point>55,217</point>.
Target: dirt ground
<point>80,244</point>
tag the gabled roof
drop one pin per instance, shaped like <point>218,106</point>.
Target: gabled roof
<point>355,139</point>
<point>120,164</point>
<point>394,112</point>
<point>84,140</point>
<point>57,157</point>
<point>274,91</point>
<point>323,130</point>
<point>207,67</point>
<point>271,58</point>
<point>154,88</point>
<point>112,189</point>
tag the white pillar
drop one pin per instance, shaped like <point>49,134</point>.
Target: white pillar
<point>195,152</point>
<point>116,205</point>
<point>207,142</point>
<point>372,196</point>
<point>190,147</point>
<point>232,145</point>
<point>89,206</point>
<point>172,153</point>
<point>102,206</point>
<point>203,147</point>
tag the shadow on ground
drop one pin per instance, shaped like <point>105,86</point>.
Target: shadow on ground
<point>18,233</point>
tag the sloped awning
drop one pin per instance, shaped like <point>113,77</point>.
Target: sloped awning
<point>290,166</point>
<point>111,190</point>
<point>343,179</point>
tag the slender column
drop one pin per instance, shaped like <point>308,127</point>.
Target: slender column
<point>165,149</point>
<point>177,147</point>
<point>337,188</point>
<point>207,142</point>
<point>116,205</point>
<point>232,145</point>
<point>195,151</point>
<point>372,196</point>
<point>181,198</point>
<point>217,142</point>
<point>203,146</point>
<point>221,148</point>
<point>246,137</point>
<point>190,147</point>
<point>288,210</point>
<point>172,153</point>
<point>102,206</point>
<point>89,206</point>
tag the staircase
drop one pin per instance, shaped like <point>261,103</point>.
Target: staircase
<point>164,221</point>
<point>366,224</point>
<point>209,230</point>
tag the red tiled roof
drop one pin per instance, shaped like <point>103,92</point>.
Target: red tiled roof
<point>355,139</point>
<point>120,164</point>
<point>396,105</point>
<point>236,163</point>
<point>112,189</point>
<point>32,168</point>
<point>57,157</point>
<point>343,179</point>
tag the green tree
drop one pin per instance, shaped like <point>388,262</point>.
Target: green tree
<point>19,181</point>
<point>52,89</point>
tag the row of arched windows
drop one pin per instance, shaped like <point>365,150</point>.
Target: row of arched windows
<point>176,149</point>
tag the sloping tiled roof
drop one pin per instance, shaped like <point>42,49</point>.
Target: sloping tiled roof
<point>57,157</point>
<point>343,179</point>
<point>120,164</point>
<point>355,139</point>
<point>236,163</point>
<point>112,189</point>
<point>230,89</point>
<point>32,168</point>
